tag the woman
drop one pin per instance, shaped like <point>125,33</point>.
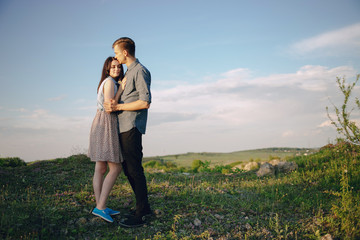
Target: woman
<point>104,147</point>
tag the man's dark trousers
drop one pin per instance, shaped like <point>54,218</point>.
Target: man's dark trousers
<point>131,144</point>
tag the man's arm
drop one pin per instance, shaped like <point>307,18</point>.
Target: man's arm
<point>133,106</point>
<point>142,84</point>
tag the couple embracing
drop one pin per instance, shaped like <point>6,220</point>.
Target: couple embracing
<point>116,131</point>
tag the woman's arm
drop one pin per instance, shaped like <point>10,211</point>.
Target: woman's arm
<point>108,91</point>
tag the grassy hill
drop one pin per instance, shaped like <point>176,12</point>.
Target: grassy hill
<point>52,200</point>
<point>264,154</point>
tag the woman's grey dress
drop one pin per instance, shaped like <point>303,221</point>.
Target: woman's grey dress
<point>104,137</point>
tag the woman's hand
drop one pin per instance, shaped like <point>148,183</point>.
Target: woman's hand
<point>108,107</point>
<point>123,83</point>
<point>111,106</point>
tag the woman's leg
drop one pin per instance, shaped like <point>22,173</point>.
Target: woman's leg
<point>114,171</point>
<point>100,170</point>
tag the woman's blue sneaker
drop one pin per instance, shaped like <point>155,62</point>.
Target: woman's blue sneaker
<point>111,212</point>
<point>103,214</point>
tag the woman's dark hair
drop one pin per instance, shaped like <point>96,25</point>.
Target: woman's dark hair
<point>106,71</point>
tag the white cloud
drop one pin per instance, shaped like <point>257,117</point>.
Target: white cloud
<point>14,110</point>
<point>334,42</point>
<point>58,98</point>
<point>288,133</point>
<point>239,111</point>
<point>43,119</point>
<point>241,93</point>
<point>237,73</point>
<point>326,123</point>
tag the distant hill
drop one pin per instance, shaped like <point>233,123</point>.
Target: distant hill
<point>186,159</point>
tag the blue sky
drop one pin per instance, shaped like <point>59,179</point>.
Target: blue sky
<point>226,75</point>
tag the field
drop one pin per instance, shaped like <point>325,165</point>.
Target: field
<point>185,160</point>
<point>52,200</point>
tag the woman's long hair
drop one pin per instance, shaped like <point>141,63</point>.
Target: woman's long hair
<point>106,71</point>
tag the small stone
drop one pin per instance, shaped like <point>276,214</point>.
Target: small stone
<point>248,226</point>
<point>266,232</point>
<point>158,212</point>
<point>327,237</point>
<point>197,222</point>
<point>219,216</point>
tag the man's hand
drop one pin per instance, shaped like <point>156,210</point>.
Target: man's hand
<point>114,105</point>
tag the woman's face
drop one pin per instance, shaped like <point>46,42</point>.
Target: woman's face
<point>115,69</point>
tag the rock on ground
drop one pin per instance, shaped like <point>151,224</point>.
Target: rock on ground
<point>266,169</point>
<point>251,166</point>
<point>286,167</point>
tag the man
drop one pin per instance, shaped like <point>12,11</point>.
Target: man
<point>133,109</point>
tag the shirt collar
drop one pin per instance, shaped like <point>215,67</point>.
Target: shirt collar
<point>133,65</point>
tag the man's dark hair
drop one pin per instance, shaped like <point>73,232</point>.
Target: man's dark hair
<point>127,44</point>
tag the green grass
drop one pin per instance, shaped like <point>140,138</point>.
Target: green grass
<point>52,200</point>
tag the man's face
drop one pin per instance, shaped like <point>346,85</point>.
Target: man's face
<point>119,54</point>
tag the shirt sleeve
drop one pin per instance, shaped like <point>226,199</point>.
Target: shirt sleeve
<point>142,84</point>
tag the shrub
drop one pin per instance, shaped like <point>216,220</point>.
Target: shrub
<point>222,169</point>
<point>196,164</point>
<point>170,165</point>
<point>344,125</point>
<point>347,150</point>
<point>348,209</point>
<point>156,164</point>
<point>12,162</point>
<point>200,166</point>
<point>152,164</point>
